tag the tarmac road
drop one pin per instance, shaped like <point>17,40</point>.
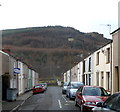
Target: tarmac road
<point>51,99</point>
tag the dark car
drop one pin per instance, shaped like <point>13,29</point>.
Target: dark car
<point>38,89</point>
<point>64,87</point>
<point>112,104</point>
<point>88,96</point>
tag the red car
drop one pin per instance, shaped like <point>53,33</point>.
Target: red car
<point>88,96</point>
<point>38,89</point>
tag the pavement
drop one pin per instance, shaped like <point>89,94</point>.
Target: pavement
<point>11,106</point>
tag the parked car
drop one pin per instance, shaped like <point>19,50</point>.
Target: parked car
<point>112,104</point>
<point>38,89</point>
<point>64,87</point>
<point>88,96</point>
<point>72,88</point>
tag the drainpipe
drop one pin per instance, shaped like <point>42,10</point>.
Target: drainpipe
<point>111,64</point>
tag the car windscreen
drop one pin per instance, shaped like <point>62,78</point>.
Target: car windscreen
<point>76,85</point>
<point>38,86</point>
<point>43,84</point>
<point>94,91</point>
<point>65,84</point>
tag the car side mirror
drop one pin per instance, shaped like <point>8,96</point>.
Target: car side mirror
<point>80,93</point>
<point>108,91</point>
<point>99,104</point>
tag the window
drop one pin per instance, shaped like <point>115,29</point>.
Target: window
<point>97,58</point>
<point>83,66</point>
<point>89,69</point>
<point>84,78</point>
<point>88,79</point>
<point>102,78</point>
<point>108,56</point>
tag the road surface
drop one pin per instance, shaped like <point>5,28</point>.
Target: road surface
<point>51,99</point>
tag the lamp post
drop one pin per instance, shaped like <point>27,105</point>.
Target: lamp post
<point>70,39</point>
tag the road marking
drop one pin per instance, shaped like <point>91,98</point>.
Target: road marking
<point>18,106</point>
<point>22,103</point>
<point>60,105</point>
<point>71,101</point>
<point>64,98</point>
<point>66,104</point>
<point>14,108</point>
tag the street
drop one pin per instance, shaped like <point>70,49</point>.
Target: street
<point>52,99</point>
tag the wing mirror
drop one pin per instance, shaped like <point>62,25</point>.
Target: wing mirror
<point>99,104</point>
<point>80,93</point>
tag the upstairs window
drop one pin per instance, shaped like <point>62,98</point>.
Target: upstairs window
<point>97,58</point>
<point>89,69</point>
<point>108,56</point>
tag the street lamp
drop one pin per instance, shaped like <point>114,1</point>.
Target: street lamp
<point>70,39</point>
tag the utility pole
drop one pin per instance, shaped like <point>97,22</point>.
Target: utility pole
<point>70,39</point>
<point>109,26</point>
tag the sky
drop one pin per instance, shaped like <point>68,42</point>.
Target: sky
<point>84,15</point>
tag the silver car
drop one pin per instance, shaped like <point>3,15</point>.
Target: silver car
<point>64,87</point>
<point>72,88</point>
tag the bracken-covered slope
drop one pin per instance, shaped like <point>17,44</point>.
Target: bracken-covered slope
<point>47,49</point>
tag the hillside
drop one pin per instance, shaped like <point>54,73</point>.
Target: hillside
<point>47,49</point>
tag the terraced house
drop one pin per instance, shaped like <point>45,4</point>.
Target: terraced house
<point>102,67</point>
<point>116,61</point>
<point>16,74</point>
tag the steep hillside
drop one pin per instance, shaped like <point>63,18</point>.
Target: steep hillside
<point>48,50</point>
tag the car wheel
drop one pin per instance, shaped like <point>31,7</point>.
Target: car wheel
<point>76,103</point>
<point>66,95</point>
<point>63,92</point>
<point>70,97</point>
<point>81,108</point>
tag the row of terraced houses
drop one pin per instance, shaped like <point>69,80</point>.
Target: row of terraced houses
<point>16,74</point>
<point>100,68</point>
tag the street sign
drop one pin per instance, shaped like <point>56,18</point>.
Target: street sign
<point>16,70</point>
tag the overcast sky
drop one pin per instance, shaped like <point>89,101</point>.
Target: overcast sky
<point>83,15</point>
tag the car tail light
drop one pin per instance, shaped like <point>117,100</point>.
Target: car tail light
<point>83,101</point>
